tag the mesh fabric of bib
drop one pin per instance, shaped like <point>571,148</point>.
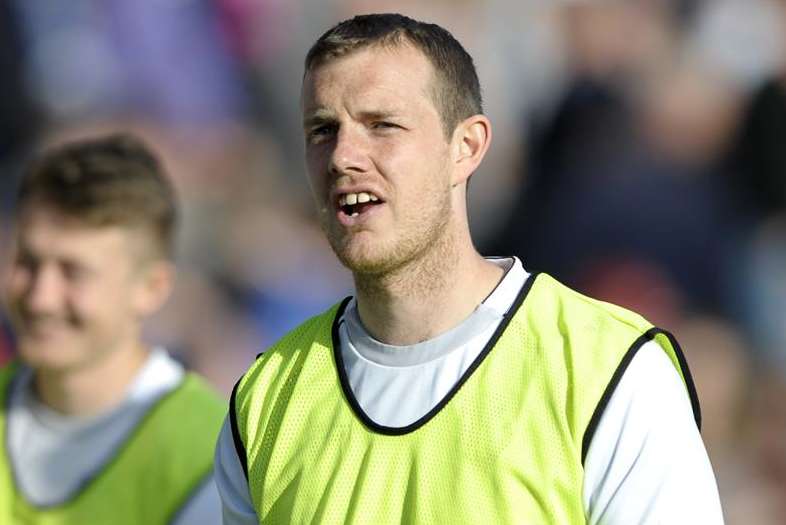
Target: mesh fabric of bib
<point>506,445</point>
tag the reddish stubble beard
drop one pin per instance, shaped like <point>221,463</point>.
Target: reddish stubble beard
<point>415,239</point>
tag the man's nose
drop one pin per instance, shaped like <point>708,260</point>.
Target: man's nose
<point>44,290</point>
<point>351,151</point>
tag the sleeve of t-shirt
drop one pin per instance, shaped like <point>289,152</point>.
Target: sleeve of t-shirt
<point>236,505</point>
<point>202,508</point>
<point>647,463</point>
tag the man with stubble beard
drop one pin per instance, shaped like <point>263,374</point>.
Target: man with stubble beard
<point>452,388</point>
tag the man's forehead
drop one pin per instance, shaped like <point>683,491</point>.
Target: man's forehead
<point>382,77</point>
<point>36,221</point>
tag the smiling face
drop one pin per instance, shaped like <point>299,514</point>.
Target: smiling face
<point>75,293</point>
<point>378,160</point>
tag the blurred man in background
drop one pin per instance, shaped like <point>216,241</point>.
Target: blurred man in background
<point>454,388</point>
<point>96,426</point>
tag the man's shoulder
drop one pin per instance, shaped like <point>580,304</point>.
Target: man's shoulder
<point>316,333</point>
<point>198,408</point>
<point>197,392</point>
<point>562,302</point>
<point>192,411</point>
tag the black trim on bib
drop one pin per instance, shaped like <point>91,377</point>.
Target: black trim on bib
<point>689,384</point>
<point>398,431</point>
<point>647,336</point>
<point>240,448</point>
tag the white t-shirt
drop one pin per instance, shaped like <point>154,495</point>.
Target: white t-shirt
<point>646,462</point>
<point>53,455</point>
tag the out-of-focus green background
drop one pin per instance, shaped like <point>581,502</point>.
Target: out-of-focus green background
<point>639,154</point>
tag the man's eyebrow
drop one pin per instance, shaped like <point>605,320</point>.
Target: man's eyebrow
<point>318,116</point>
<point>379,115</point>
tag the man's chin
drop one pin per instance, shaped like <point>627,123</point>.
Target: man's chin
<point>47,355</point>
<point>362,260</point>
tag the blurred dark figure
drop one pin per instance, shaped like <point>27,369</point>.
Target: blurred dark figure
<point>760,180</point>
<point>17,117</point>
<point>625,171</point>
<point>16,111</point>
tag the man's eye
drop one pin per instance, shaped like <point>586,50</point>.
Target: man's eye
<point>26,262</point>
<point>321,132</point>
<point>74,272</point>
<point>384,125</point>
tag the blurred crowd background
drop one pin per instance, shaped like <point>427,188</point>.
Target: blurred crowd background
<point>639,154</point>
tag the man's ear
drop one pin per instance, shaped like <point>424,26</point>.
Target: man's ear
<point>154,286</point>
<point>471,140</point>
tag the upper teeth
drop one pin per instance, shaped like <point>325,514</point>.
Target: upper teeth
<point>355,198</point>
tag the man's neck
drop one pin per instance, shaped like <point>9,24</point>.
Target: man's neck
<point>426,298</point>
<point>92,388</point>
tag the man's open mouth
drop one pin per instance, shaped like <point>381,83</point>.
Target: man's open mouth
<point>354,204</point>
